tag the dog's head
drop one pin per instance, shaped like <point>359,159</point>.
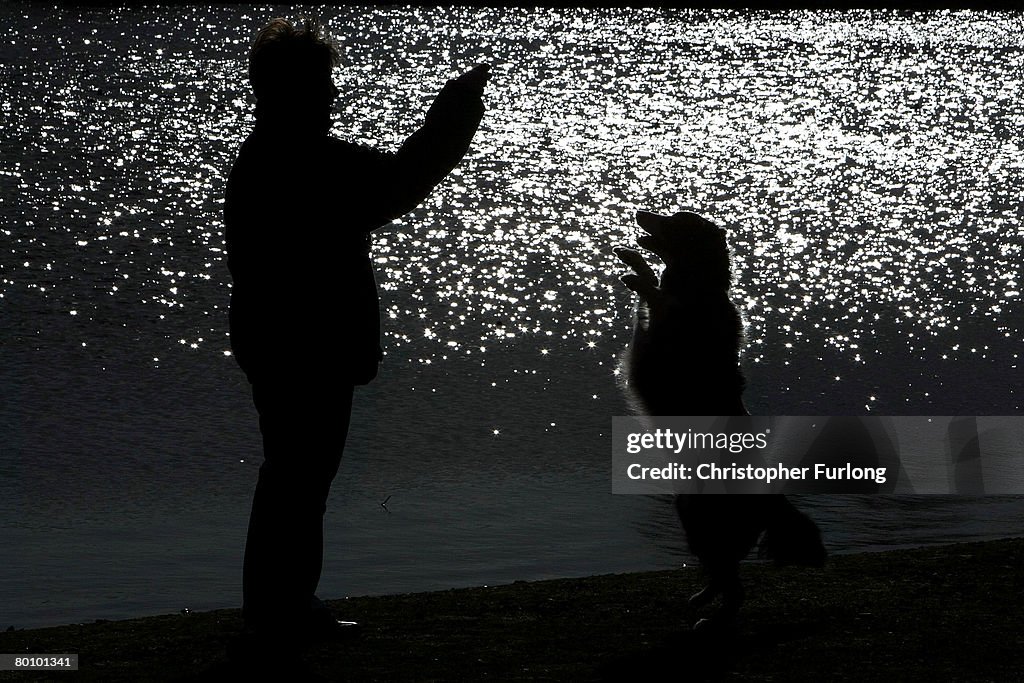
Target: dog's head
<point>693,248</point>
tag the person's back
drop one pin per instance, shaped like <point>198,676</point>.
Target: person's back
<point>304,316</point>
<point>297,230</point>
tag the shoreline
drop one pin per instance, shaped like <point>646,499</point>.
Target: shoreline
<point>936,613</point>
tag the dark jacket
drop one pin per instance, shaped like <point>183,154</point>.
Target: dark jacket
<point>298,216</point>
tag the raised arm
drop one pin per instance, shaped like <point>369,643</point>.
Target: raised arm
<point>428,155</point>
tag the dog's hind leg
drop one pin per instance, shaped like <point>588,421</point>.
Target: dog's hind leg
<point>725,581</point>
<point>732,598</point>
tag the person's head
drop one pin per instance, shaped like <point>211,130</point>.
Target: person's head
<point>290,72</point>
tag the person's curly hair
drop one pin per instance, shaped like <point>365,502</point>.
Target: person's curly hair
<point>285,56</point>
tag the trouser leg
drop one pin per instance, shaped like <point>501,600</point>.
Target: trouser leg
<point>302,442</point>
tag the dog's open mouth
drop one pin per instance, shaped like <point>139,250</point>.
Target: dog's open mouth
<point>655,239</point>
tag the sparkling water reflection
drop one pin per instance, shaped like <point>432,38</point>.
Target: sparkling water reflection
<point>865,164</point>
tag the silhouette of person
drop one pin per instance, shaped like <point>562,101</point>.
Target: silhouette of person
<point>304,318</point>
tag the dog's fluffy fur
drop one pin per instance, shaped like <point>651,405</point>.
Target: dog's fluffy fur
<point>684,360</point>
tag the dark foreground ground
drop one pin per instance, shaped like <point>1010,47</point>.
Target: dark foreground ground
<point>941,613</point>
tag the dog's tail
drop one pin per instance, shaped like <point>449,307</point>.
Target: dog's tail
<point>791,537</point>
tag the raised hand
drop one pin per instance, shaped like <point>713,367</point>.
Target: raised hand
<point>476,78</point>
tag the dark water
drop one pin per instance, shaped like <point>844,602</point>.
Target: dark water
<point>866,165</point>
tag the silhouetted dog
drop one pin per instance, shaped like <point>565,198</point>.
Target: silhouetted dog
<point>684,360</point>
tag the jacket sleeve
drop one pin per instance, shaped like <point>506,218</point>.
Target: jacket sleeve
<point>406,177</point>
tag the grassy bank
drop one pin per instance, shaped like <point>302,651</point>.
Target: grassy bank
<point>941,613</point>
